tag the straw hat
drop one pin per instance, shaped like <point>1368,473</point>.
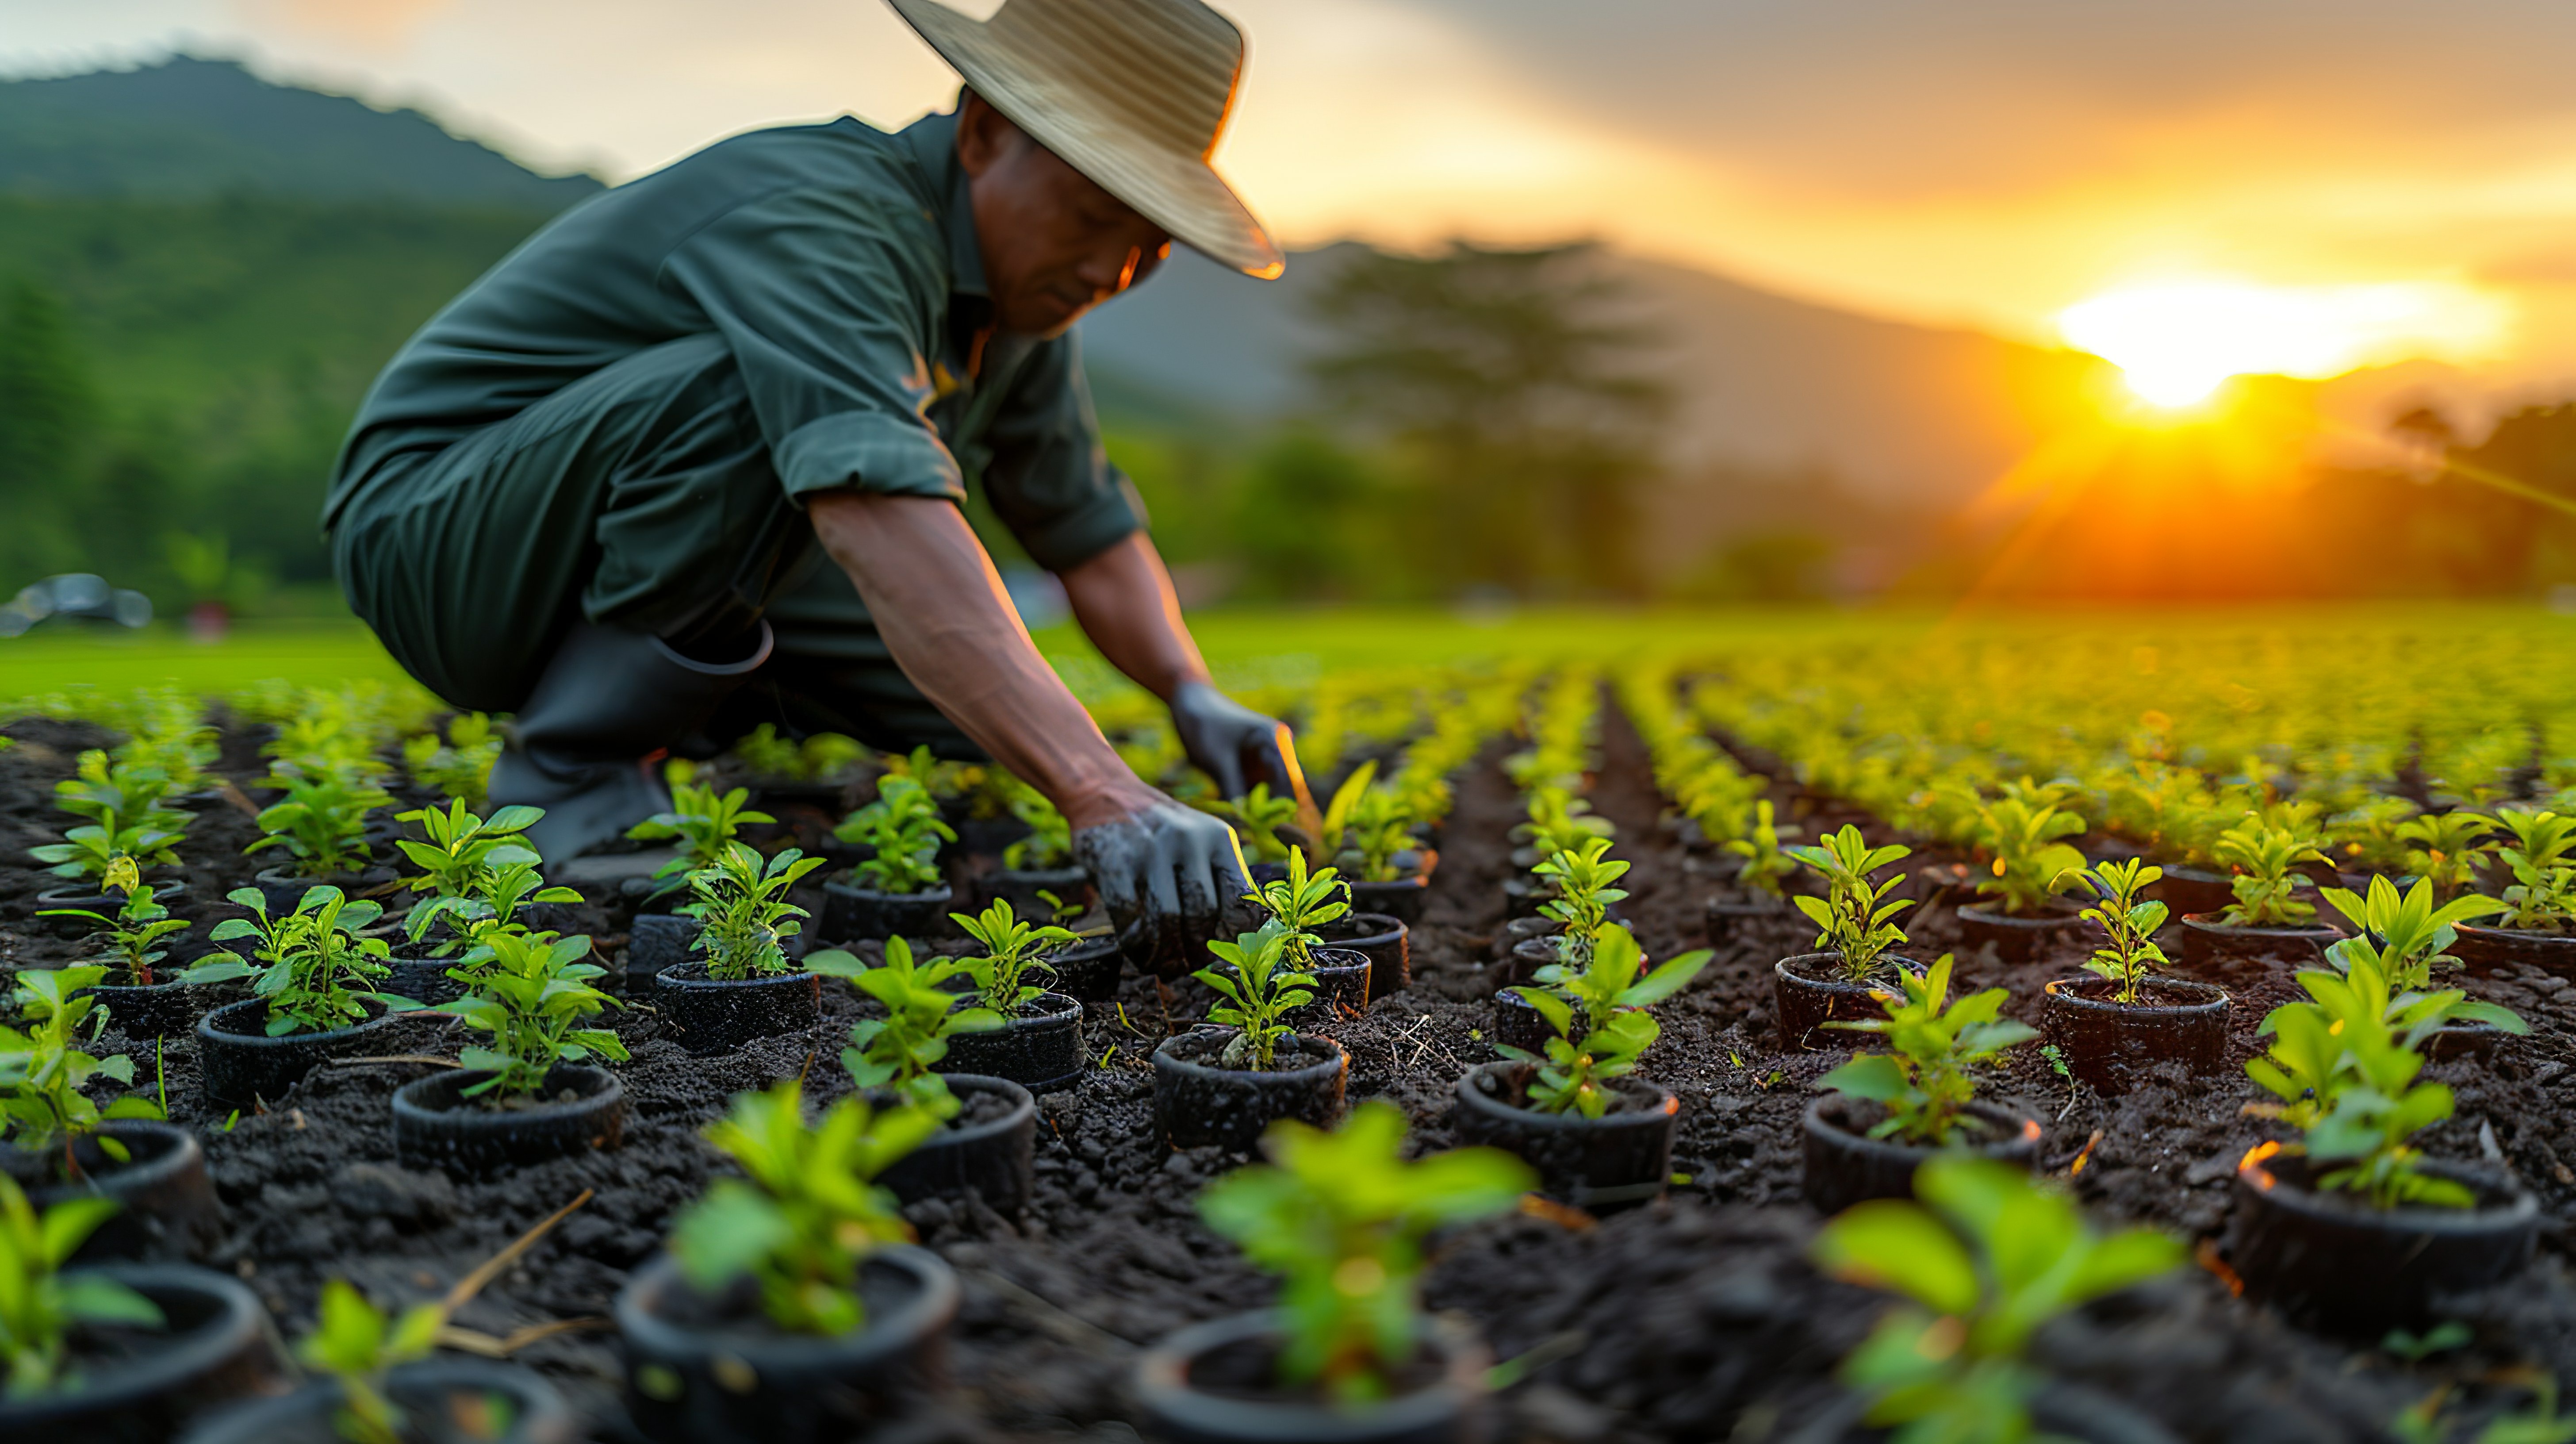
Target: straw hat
<point>1132,93</point>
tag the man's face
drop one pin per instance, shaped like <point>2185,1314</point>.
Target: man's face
<point>1055,245</point>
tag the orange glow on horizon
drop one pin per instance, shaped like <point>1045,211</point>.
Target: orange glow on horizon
<point>2177,342</point>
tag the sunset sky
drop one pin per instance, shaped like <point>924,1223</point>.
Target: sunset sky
<point>2365,180</point>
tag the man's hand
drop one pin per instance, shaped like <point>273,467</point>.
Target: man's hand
<point>1169,876</point>
<point>1230,742</point>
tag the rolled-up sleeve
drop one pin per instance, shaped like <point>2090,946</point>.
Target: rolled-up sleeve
<point>1049,479</point>
<point>827,308</point>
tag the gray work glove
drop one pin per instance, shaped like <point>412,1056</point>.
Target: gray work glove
<point>1170,876</point>
<point>1234,745</point>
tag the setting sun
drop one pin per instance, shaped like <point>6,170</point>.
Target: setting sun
<point>2176,342</point>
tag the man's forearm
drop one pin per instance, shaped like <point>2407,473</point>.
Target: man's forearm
<point>940,606</point>
<point>1124,600</point>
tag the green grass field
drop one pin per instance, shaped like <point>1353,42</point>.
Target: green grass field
<point>1250,647</point>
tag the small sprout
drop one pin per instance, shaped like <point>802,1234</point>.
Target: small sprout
<point>322,820</point>
<point>1340,1217</point>
<point>40,1304</point>
<point>354,1343</point>
<point>1766,866</point>
<point>1013,952</point>
<point>1050,840</point>
<point>2266,887</point>
<point>128,937</point>
<point>1599,1020</point>
<point>818,758</point>
<point>2028,865</point>
<point>1984,1260</point>
<point>45,1076</point>
<point>2403,935</point>
<point>312,966</point>
<point>460,766</point>
<point>744,917</point>
<point>1257,817</point>
<point>2443,849</point>
<point>702,822</point>
<point>1924,1080</point>
<point>1581,908</point>
<point>904,829</point>
<point>808,1210</point>
<point>532,994</point>
<point>2542,896</point>
<point>2442,1338</point>
<point>900,1052</point>
<point>2130,955</point>
<point>1261,988</point>
<point>1302,903</point>
<point>1855,916</point>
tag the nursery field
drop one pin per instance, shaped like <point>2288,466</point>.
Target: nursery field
<point>2216,973</point>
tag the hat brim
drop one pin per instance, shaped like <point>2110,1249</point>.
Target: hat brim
<point>1175,189</point>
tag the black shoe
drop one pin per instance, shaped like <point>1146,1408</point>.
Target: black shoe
<point>582,746</point>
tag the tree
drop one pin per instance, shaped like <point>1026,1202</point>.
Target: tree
<point>1504,377</point>
<point>48,421</point>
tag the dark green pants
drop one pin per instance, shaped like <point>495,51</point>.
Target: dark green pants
<point>632,498</point>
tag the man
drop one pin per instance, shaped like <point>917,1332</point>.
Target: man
<point>691,458</point>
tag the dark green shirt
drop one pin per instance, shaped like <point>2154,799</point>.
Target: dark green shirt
<point>840,265</point>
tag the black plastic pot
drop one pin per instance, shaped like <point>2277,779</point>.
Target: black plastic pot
<point>2332,1262</point>
<point>80,896</point>
<point>1198,1103</point>
<point>1041,1049</point>
<point>1519,1025</point>
<point>1808,991</point>
<point>1528,957</point>
<point>2110,1045</point>
<point>1089,969</point>
<point>164,1010</point>
<point>2463,1040</point>
<point>169,1207</point>
<point>1387,942</point>
<point>1341,988</point>
<point>979,836</point>
<point>1213,1383</point>
<point>659,942</point>
<point>857,914</point>
<point>215,1348</point>
<point>1845,1166</point>
<point>1523,896</point>
<point>703,1370</point>
<point>429,1393</point>
<point>1730,920</point>
<point>437,1126</point>
<point>1401,900</point>
<point>2206,941</point>
<point>989,1149</point>
<point>1021,886</point>
<point>1623,1157</point>
<point>706,1016</point>
<point>2186,890</point>
<point>1516,931</point>
<point>246,1069</point>
<point>423,980</point>
<point>2014,939</point>
<point>2484,949</point>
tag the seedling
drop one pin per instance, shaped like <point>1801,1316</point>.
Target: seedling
<point>357,1346</point>
<point>2443,848</point>
<point>40,1304</point>
<point>322,821</point>
<point>2366,833</point>
<point>2266,887</point>
<point>1581,907</point>
<point>1600,1021</point>
<point>2412,936</point>
<point>167,732</point>
<point>1765,865</point>
<point>1340,1217</point>
<point>44,1075</point>
<point>461,766</point>
<point>2542,896</point>
<point>2344,1065</point>
<point>2030,866</point>
<point>463,850</point>
<point>2130,955</point>
<point>1261,988</point>
<point>904,827</point>
<point>900,1052</point>
<point>1558,821</point>
<point>312,966</point>
<point>1050,840</point>
<point>1258,816</point>
<point>1303,902</point>
<point>1379,827</point>
<point>817,758</point>
<point>127,938</point>
<point>1014,952</point>
<point>1991,1259</point>
<point>702,823</point>
<point>1855,917</point>
<point>499,897</point>
<point>1924,1080</point>
<point>808,1211</point>
<point>532,992</point>
<point>743,913</point>
<point>126,823</point>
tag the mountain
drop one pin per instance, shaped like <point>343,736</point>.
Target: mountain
<point>1903,414</point>
<point>188,129</point>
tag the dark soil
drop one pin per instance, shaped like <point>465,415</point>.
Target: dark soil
<point>1695,1318</point>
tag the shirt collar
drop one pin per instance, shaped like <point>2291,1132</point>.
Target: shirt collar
<point>934,147</point>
